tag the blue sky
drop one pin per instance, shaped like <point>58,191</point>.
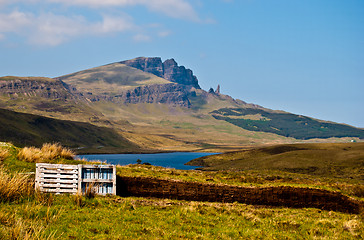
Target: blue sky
<point>304,57</point>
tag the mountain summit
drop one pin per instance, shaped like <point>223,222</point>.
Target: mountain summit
<point>168,69</point>
<point>153,106</point>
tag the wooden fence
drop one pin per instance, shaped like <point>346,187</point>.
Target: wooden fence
<point>62,178</point>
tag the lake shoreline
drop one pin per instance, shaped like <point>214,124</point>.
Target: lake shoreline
<point>175,160</point>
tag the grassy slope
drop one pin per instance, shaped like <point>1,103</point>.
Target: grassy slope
<point>111,79</point>
<point>176,128</point>
<point>43,216</point>
<point>42,79</point>
<point>154,126</point>
<point>285,124</point>
<point>26,129</point>
<point>336,160</point>
<point>67,107</point>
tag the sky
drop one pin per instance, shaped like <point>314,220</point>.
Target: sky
<point>300,56</point>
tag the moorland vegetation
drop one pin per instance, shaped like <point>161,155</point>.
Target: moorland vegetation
<point>28,214</point>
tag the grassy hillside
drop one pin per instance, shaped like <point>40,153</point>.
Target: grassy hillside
<point>42,79</point>
<point>27,214</point>
<point>285,124</point>
<point>26,129</point>
<point>334,160</point>
<point>214,122</point>
<point>111,79</point>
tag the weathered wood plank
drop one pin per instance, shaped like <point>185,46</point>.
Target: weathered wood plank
<point>50,176</point>
<point>59,171</point>
<point>96,166</point>
<point>55,166</point>
<point>59,190</point>
<point>97,180</point>
<point>57,180</point>
<point>58,185</point>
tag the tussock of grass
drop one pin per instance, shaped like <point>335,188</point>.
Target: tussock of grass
<point>31,225</point>
<point>4,153</point>
<point>90,191</point>
<point>46,153</point>
<point>15,187</point>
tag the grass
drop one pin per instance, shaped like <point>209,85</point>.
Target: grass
<point>139,218</point>
<point>4,153</point>
<point>48,152</point>
<point>15,187</point>
<point>334,160</point>
<point>111,79</point>
<point>35,215</point>
<point>38,79</point>
<point>27,129</point>
<point>285,124</point>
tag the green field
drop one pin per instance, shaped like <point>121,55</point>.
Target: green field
<point>25,214</point>
<point>332,160</point>
<point>285,124</point>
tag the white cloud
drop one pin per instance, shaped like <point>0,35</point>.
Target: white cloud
<point>14,21</point>
<point>164,33</point>
<point>50,29</point>
<point>172,8</point>
<point>141,38</point>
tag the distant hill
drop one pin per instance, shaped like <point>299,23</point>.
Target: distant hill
<point>158,105</point>
<point>342,160</point>
<point>27,129</point>
<point>285,124</point>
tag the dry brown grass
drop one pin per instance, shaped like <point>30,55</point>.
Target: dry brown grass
<point>46,153</point>
<point>4,153</point>
<point>15,187</point>
<point>90,191</point>
<point>78,200</point>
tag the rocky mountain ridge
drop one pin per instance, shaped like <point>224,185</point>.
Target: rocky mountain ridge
<point>171,94</point>
<point>36,86</point>
<point>155,113</point>
<point>168,69</point>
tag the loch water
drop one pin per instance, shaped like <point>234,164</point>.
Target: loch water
<point>170,160</point>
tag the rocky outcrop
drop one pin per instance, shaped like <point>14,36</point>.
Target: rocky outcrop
<point>179,74</point>
<point>152,65</point>
<point>41,87</point>
<point>172,94</point>
<point>168,69</point>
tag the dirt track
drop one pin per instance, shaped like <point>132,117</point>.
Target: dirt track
<point>270,196</point>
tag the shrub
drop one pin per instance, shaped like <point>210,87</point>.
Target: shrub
<point>46,153</point>
<point>16,187</point>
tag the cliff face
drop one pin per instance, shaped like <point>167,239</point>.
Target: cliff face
<point>37,87</point>
<point>172,94</point>
<point>168,69</point>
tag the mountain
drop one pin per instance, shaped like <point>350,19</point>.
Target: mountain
<point>121,83</point>
<point>160,106</point>
<point>168,69</point>
<point>44,96</point>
